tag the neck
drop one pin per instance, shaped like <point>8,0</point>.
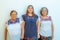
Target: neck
<point>44,16</point>
<point>30,14</point>
<point>13,20</point>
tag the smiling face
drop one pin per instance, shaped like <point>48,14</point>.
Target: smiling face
<point>44,12</point>
<point>13,15</point>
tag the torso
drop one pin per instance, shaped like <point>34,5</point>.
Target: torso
<point>30,26</point>
<point>46,26</point>
<point>14,29</point>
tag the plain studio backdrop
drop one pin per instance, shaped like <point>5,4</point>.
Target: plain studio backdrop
<point>20,6</point>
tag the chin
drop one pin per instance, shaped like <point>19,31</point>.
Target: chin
<point>14,18</point>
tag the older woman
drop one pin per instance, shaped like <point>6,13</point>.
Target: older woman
<point>46,25</point>
<point>13,27</point>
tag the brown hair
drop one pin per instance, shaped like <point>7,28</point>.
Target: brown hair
<point>12,12</point>
<point>32,12</point>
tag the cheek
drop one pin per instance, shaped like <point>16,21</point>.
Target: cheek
<point>30,10</point>
<point>14,16</point>
<point>44,13</point>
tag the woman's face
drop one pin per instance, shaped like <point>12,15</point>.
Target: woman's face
<point>44,12</point>
<point>13,15</point>
<point>30,9</point>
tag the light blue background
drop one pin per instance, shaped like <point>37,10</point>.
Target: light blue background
<point>20,6</point>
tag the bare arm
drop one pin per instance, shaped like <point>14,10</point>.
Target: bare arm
<point>22,26</point>
<point>5,33</point>
<point>38,27</point>
<point>52,30</point>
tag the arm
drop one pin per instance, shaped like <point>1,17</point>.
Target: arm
<point>38,27</point>
<point>22,26</point>
<point>52,30</point>
<point>5,33</point>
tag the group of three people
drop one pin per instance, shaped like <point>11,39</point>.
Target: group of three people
<point>32,27</point>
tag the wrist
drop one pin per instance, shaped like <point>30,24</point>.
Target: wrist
<point>38,33</point>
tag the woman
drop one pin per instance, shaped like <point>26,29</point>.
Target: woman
<point>13,27</point>
<point>46,25</point>
<point>30,24</point>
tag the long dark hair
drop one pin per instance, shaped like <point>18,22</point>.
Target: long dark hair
<point>32,12</point>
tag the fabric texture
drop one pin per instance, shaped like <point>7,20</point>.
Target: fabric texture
<point>30,26</point>
<point>14,29</point>
<point>46,26</point>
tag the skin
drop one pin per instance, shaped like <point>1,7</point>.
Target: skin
<point>13,18</point>
<point>44,12</point>
<point>52,30</point>
<point>44,16</point>
<point>38,25</point>
<point>22,25</point>
<point>30,10</point>
<point>5,31</point>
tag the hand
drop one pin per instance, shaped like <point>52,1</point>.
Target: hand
<point>52,37</point>
<point>38,35</point>
<point>22,37</point>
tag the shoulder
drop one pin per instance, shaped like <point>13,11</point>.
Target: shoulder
<point>23,15</point>
<point>36,16</point>
<point>49,17</point>
<point>18,19</point>
<point>7,22</point>
<point>39,18</point>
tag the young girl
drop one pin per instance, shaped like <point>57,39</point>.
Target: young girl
<point>30,24</point>
<point>13,27</point>
<point>46,25</point>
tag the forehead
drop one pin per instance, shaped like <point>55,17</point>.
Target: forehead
<point>13,13</point>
